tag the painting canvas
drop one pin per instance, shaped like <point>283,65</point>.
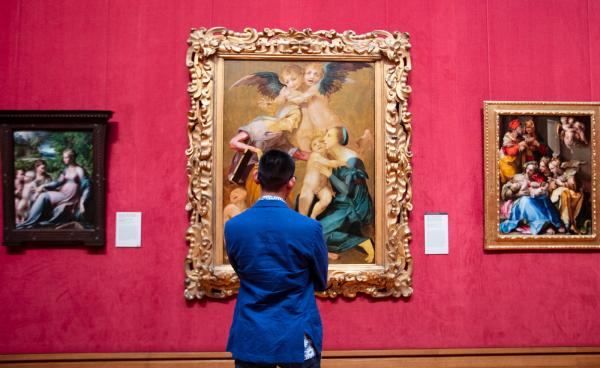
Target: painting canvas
<point>54,183</point>
<point>324,117</point>
<point>338,104</point>
<point>544,160</point>
<point>52,179</point>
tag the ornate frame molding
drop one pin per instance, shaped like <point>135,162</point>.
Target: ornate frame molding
<point>391,276</point>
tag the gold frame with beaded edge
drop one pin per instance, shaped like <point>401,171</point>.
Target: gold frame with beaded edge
<point>541,172</point>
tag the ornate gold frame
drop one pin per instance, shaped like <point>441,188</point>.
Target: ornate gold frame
<point>391,275</point>
<point>493,111</point>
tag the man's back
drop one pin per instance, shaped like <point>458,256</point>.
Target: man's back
<point>281,259</point>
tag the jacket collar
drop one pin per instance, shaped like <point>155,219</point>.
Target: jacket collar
<point>270,203</point>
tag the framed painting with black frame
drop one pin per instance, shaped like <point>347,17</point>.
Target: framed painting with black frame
<point>54,182</point>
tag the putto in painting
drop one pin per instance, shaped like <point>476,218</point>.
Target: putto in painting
<point>321,113</point>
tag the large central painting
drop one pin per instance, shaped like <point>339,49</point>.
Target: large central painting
<point>322,113</point>
<point>338,104</point>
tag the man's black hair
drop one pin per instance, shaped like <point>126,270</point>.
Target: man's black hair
<point>275,169</point>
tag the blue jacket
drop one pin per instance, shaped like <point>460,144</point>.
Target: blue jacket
<point>280,257</point>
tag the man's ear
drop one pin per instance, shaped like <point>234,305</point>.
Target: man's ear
<point>255,176</point>
<point>290,184</point>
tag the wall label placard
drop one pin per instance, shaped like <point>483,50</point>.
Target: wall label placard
<point>436,233</point>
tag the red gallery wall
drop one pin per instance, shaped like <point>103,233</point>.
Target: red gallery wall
<point>129,57</point>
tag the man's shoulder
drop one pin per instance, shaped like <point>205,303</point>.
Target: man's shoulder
<point>304,223</point>
<point>283,214</point>
<point>239,219</point>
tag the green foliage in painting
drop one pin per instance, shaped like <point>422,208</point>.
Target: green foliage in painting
<point>49,146</point>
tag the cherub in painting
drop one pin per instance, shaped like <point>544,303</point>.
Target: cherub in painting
<point>571,132</point>
<point>19,183</point>
<point>321,81</point>
<point>27,196</point>
<point>237,204</point>
<point>315,183</point>
<point>311,92</point>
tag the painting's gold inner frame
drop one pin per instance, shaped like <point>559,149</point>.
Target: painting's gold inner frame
<point>494,110</point>
<point>207,275</point>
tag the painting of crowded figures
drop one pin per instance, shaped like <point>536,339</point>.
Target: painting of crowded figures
<point>50,187</point>
<point>542,191</point>
<point>338,104</point>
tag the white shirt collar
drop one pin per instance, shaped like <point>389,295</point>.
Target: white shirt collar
<point>272,198</point>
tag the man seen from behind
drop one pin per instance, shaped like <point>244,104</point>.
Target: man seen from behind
<point>280,257</point>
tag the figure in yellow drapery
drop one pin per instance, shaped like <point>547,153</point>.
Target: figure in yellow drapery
<point>569,207</point>
<point>512,145</point>
<point>564,191</point>
<point>252,187</point>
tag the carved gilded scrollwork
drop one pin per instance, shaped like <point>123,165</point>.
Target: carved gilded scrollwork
<point>392,276</point>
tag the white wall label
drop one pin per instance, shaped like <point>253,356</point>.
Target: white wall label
<point>129,229</point>
<point>436,233</point>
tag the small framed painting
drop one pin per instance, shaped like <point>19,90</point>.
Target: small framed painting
<point>541,175</point>
<point>53,177</point>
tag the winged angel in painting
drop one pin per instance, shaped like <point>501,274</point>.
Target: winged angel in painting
<point>334,187</point>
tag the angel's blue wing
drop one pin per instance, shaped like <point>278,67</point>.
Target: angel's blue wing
<point>335,75</point>
<point>267,83</point>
